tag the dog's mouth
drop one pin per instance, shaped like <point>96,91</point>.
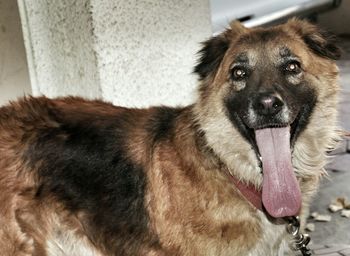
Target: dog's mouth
<point>250,132</point>
<point>281,194</point>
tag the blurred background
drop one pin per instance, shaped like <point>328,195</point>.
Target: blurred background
<point>141,52</point>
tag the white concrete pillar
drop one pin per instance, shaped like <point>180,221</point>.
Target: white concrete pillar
<point>60,47</point>
<point>14,77</point>
<point>132,53</point>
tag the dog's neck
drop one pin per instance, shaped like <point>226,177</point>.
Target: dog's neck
<point>249,192</point>
<point>208,158</point>
<point>193,142</point>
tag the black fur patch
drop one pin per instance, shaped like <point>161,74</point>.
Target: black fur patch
<point>323,44</point>
<point>83,163</point>
<point>303,118</point>
<point>211,55</point>
<point>161,123</point>
<point>233,105</point>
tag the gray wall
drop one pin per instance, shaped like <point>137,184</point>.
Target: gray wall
<point>14,78</point>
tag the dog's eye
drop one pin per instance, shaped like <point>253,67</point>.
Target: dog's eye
<point>238,73</point>
<point>293,67</point>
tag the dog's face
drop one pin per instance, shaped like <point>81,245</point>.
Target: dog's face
<point>263,85</point>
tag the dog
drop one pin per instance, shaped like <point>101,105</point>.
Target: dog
<point>218,177</point>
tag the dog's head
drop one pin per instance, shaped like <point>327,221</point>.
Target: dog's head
<point>261,91</point>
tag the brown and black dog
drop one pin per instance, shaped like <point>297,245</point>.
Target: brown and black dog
<point>81,177</point>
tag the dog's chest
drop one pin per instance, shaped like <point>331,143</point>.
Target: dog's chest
<point>225,225</point>
<point>273,240</point>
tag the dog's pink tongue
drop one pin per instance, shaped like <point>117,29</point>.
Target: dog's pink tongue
<point>281,194</point>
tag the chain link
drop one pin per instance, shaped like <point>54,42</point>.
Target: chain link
<point>299,240</point>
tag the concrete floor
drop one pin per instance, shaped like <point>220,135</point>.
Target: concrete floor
<point>337,231</point>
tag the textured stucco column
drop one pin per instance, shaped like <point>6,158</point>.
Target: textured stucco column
<point>132,53</point>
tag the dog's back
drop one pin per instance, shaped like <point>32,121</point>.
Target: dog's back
<point>65,168</point>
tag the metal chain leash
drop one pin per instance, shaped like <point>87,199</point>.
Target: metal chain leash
<point>300,241</point>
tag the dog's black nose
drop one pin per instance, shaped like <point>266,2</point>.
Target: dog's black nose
<point>268,105</point>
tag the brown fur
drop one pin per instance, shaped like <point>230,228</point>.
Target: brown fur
<point>185,155</point>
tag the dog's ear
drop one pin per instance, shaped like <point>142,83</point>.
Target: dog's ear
<point>214,50</point>
<point>319,41</point>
